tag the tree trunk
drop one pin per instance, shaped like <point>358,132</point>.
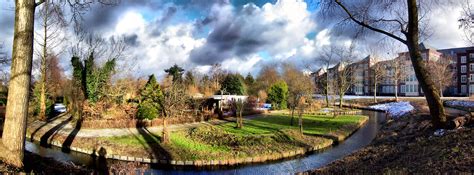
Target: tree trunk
<point>165,134</point>
<point>396,90</point>
<point>300,123</point>
<point>241,120</point>
<point>327,89</point>
<point>375,91</point>
<point>428,86</point>
<point>18,91</point>
<point>42,114</point>
<point>341,95</point>
<point>292,114</point>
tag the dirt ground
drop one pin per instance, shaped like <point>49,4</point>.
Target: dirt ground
<point>408,146</point>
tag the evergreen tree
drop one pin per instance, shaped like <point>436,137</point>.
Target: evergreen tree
<point>176,72</point>
<point>249,80</point>
<point>93,79</point>
<point>233,84</point>
<point>251,85</point>
<point>278,95</point>
<point>151,98</point>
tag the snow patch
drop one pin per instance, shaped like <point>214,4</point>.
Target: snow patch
<point>459,103</point>
<point>394,109</point>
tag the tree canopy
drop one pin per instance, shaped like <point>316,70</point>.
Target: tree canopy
<point>233,84</point>
<point>278,95</point>
<point>176,72</point>
<point>151,98</point>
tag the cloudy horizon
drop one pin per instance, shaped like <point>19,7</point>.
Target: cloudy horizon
<point>242,36</point>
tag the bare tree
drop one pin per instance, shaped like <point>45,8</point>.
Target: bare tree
<point>174,101</point>
<point>299,87</point>
<point>403,25</point>
<point>467,21</point>
<point>4,59</point>
<point>4,62</point>
<point>267,76</point>
<point>18,95</point>
<point>238,106</point>
<point>52,23</point>
<point>442,72</point>
<point>399,74</point>
<point>378,69</point>
<point>328,58</point>
<point>343,71</point>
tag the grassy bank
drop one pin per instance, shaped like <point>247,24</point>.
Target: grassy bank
<point>260,136</point>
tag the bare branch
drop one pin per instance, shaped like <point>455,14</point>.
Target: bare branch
<point>367,25</point>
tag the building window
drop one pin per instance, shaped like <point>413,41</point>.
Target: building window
<point>463,89</point>
<point>463,69</point>
<point>471,89</point>
<point>463,78</point>
<point>471,67</point>
<point>471,55</point>
<point>402,89</point>
<point>471,77</point>
<point>463,59</point>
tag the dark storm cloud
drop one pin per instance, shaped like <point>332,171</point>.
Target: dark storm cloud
<point>170,12</point>
<point>131,40</point>
<point>101,17</point>
<point>230,37</point>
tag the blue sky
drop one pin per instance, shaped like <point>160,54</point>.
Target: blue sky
<point>241,35</point>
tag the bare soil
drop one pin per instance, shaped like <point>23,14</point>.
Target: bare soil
<point>408,146</point>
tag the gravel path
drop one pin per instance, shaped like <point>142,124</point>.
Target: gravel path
<point>62,125</point>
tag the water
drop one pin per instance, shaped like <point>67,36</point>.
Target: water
<point>358,140</point>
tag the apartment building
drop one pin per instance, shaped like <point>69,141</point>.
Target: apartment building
<point>361,76</point>
<point>410,86</point>
<point>461,63</point>
<point>465,63</point>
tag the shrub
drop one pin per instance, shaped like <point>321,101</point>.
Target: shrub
<point>147,111</point>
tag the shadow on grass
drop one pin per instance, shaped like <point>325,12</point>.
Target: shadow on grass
<point>152,142</point>
<point>49,134</point>
<point>66,147</point>
<point>53,117</point>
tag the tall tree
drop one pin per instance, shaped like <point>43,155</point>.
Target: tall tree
<point>403,26</point>
<point>466,21</point>
<point>250,84</point>
<point>173,103</point>
<point>328,58</point>
<point>267,77</point>
<point>151,99</point>
<point>233,84</point>
<point>278,95</point>
<point>299,87</point>
<point>442,73</point>
<point>18,95</point>
<point>18,91</point>
<point>176,72</point>
<point>52,23</point>
<point>379,71</point>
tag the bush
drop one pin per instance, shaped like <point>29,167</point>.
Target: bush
<point>147,111</point>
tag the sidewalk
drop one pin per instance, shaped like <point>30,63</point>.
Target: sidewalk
<point>62,125</point>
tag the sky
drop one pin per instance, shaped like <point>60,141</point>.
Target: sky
<point>241,35</point>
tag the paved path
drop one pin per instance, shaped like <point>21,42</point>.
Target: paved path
<point>64,126</point>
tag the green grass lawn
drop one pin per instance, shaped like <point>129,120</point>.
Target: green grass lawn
<point>259,136</point>
<point>312,124</point>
